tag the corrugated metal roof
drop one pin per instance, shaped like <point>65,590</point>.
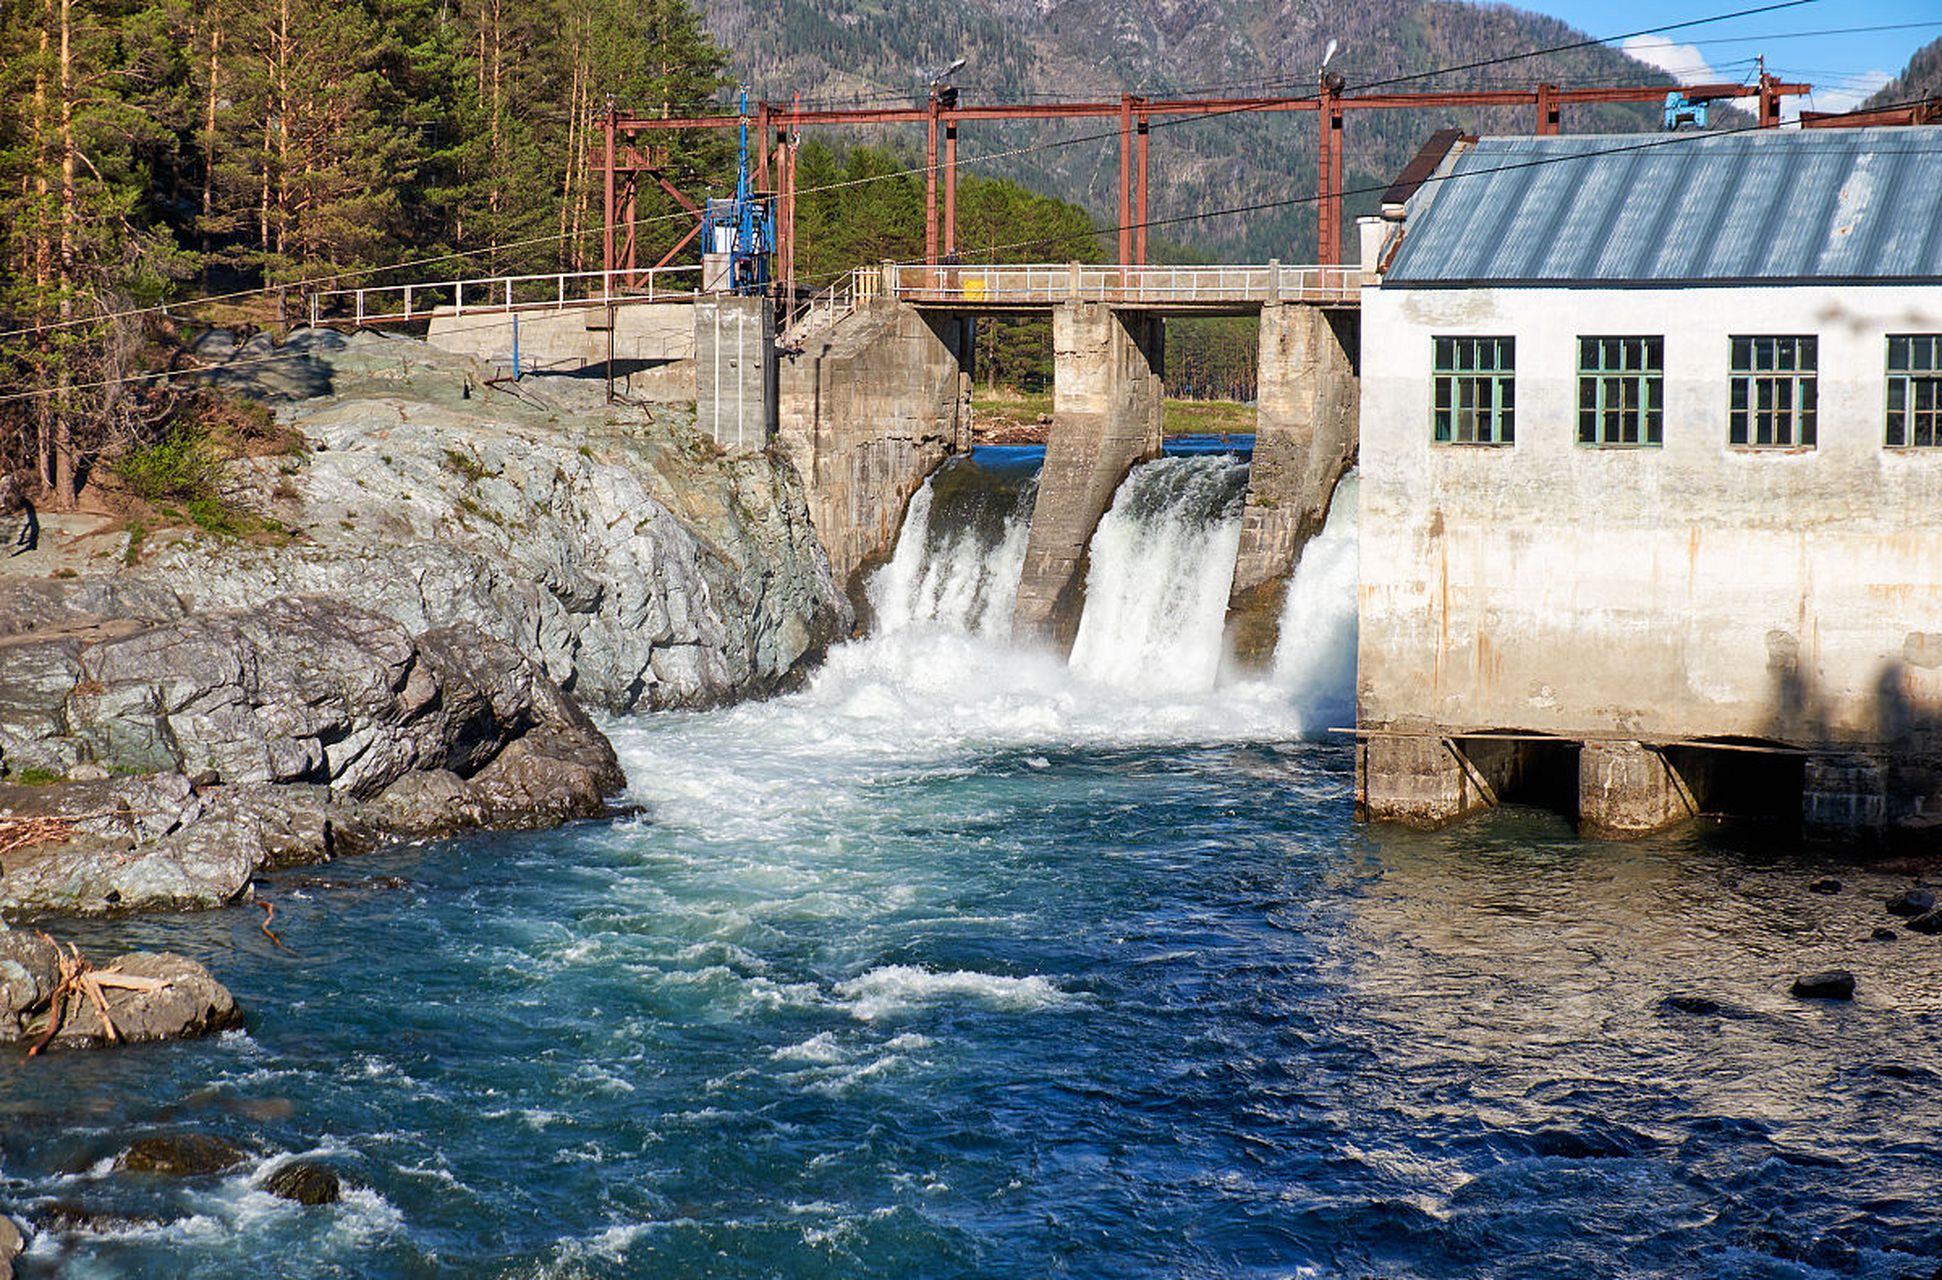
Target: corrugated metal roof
<point>1810,205</point>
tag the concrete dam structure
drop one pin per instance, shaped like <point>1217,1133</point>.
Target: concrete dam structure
<point>873,402</point>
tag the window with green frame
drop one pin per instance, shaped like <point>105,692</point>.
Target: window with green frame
<point>1914,390</point>
<point>1475,396</point>
<point>1621,391</point>
<point>1772,401</point>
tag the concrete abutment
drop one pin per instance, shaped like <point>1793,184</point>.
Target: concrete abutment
<point>867,409</point>
<point>1106,404</point>
<point>1629,789</point>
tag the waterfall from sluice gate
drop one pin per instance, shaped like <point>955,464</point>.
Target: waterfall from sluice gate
<point>1162,559</point>
<point>1155,602</point>
<point>962,546</point>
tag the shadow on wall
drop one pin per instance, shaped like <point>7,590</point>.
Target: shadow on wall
<point>1899,731</point>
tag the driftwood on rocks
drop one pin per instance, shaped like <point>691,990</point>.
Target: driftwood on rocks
<point>52,996</point>
<point>24,832</point>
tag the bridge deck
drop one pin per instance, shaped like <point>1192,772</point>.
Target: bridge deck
<point>1036,286</point>
<point>974,288</point>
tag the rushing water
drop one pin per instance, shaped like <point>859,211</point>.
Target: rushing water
<point>1160,566</point>
<point>962,962</point>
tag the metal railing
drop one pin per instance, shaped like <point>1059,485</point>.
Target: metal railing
<point>1040,284</point>
<point>498,295</point>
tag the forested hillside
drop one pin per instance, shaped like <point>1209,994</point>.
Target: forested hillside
<point>152,149</point>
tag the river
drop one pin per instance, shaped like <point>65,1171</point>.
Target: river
<point>966,962</point>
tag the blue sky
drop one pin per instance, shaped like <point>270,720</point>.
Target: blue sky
<point>1818,42</point>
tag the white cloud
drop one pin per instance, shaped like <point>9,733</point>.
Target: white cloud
<point>1683,62</point>
<point>1848,94</point>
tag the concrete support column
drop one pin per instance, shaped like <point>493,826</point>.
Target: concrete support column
<point>1843,796</point>
<point>1106,397</point>
<point>1417,781</point>
<point>1305,439</point>
<point>1626,789</point>
<point>735,370</point>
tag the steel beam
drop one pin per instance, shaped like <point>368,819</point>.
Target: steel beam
<point>950,187</point>
<point>930,179</point>
<point>1329,105</point>
<point>1125,179</point>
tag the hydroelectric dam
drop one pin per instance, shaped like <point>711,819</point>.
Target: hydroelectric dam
<point>867,391</point>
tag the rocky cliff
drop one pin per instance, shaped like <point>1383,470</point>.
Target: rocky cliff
<point>637,563</point>
<point>387,631</point>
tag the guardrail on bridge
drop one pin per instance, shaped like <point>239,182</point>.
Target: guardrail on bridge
<point>1046,284</point>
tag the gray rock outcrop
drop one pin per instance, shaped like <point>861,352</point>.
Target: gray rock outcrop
<point>232,740</point>
<point>635,562</point>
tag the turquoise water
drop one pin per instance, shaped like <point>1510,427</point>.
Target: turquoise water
<point>929,1006</point>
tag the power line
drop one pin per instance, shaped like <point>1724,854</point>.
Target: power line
<point>360,273</point>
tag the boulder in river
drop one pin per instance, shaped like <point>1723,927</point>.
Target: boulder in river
<point>1912,902</point>
<point>1826,884</point>
<point>306,1182</point>
<point>183,1155</point>
<point>12,1243</point>
<point>1928,922</point>
<point>1831,984</point>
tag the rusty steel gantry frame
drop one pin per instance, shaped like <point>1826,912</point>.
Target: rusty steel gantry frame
<point>778,126</point>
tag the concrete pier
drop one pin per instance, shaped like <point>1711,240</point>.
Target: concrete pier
<point>867,409</point>
<point>1305,439</point>
<point>1106,396</point>
<point>1628,789</point>
<point>735,370</point>
<point>1428,781</point>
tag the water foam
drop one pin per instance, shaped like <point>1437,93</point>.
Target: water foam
<point>899,988</point>
<point>1161,563</point>
<point>1315,657</point>
<point>933,692</point>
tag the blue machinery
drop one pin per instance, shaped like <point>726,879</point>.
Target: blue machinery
<point>741,230</point>
<point>1682,111</point>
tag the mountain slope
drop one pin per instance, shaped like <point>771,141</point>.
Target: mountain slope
<point>883,52</point>
<point>1921,78</point>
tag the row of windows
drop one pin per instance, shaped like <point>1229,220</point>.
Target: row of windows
<point>1772,391</point>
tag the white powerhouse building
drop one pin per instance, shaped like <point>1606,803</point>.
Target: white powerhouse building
<point>1651,448</point>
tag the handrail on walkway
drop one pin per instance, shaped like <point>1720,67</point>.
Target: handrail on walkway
<point>497,295</point>
<point>1213,284</point>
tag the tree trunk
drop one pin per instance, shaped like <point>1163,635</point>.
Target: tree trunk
<point>209,122</point>
<point>498,141</point>
<point>43,252</point>
<point>573,142</point>
<point>283,127</point>
<point>64,468</point>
